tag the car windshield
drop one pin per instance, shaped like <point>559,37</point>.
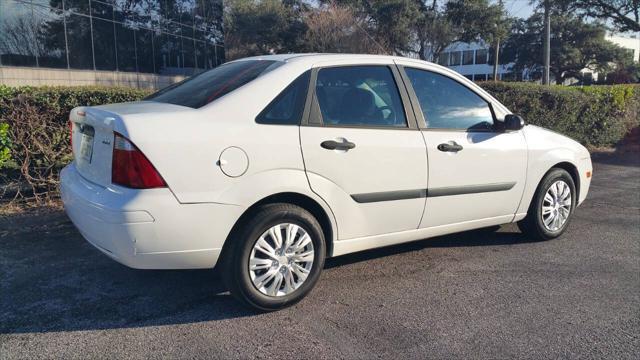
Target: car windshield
<point>201,89</point>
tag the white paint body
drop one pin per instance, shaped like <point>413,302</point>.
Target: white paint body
<point>186,224</point>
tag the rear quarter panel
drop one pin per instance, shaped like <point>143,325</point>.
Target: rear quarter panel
<point>185,147</point>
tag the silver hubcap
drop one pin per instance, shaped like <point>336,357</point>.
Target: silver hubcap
<point>281,259</point>
<point>556,205</point>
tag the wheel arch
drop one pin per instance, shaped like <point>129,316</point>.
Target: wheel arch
<point>572,169</point>
<point>294,198</point>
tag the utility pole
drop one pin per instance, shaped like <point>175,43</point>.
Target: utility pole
<point>497,48</point>
<point>547,41</point>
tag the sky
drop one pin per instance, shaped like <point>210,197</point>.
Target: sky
<point>518,8</point>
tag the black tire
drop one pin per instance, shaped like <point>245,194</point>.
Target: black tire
<point>533,225</point>
<point>236,258</point>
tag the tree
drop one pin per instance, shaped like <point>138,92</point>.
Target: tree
<point>458,21</point>
<point>434,32</point>
<point>624,14</point>
<point>389,23</point>
<point>477,20</point>
<point>254,27</point>
<point>575,45</point>
<point>333,28</point>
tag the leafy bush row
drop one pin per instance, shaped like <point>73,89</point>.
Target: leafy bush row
<point>34,135</point>
<point>596,116</point>
<point>34,140</point>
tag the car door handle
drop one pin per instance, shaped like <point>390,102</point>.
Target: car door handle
<point>451,146</point>
<point>335,145</point>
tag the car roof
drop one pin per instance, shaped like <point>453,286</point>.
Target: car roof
<point>314,57</point>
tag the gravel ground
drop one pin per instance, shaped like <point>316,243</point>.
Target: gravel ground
<point>472,295</point>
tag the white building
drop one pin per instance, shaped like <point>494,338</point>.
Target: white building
<point>631,43</point>
<point>475,60</point>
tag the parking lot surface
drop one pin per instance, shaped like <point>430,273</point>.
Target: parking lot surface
<point>477,294</point>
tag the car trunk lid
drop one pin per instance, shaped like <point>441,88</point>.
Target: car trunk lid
<point>92,134</point>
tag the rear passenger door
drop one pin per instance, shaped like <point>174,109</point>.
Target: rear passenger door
<point>363,152</point>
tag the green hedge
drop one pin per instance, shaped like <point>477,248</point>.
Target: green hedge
<point>54,102</point>
<point>596,116</point>
<point>34,141</point>
<point>34,134</point>
<point>61,99</point>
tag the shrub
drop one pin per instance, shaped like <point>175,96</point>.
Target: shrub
<point>34,133</point>
<point>596,116</point>
<point>36,123</point>
<point>5,145</point>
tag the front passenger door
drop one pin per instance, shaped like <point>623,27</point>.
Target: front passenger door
<point>363,152</point>
<point>476,171</point>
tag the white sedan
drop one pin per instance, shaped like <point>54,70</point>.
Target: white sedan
<point>265,166</point>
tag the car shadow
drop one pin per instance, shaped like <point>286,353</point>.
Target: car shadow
<point>480,237</point>
<point>52,280</point>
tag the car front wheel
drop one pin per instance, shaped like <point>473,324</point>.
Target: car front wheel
<point>275,257</point>
<point>552,206</point>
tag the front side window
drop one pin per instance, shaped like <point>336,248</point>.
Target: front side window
<point>359,96</point>
<point>447,104</point>
<point>208,86</point>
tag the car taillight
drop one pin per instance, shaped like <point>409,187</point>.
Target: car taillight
<point>131,168</point>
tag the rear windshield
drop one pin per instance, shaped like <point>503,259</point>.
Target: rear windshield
<point>201,89</point>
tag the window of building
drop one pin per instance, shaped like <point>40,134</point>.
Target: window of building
<point>77,6</point>
<point>79,41</point>
<point>144,50</point>
<point>481,56</point>
<point>443,59</point>
<point>104,45</point>
<point>456,58</point>
<point>17,46</point>
<point>101,10</point>
<point>126,42</point>
<point>188,55</point>
<point>52,49</point>
<point>467,57</point>
<point>447,104</point>
<point>359,96</point>
<point>174,38</point>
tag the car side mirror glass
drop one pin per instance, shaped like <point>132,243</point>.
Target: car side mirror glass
<point>513,122</point>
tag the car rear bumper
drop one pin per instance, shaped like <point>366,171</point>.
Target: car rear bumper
<point>146,229</point>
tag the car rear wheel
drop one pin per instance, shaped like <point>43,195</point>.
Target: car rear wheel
<point>552,206</point>
<point>275,257</point>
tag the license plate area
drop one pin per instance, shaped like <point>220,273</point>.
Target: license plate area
<point>86,143</point>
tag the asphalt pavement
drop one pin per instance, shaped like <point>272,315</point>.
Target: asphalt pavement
<point>478,294</point>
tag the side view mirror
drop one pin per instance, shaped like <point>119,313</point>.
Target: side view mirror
<point>513,122</point>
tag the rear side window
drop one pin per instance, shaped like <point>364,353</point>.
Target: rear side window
<point>287,107</point>
<point>208,86</point>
